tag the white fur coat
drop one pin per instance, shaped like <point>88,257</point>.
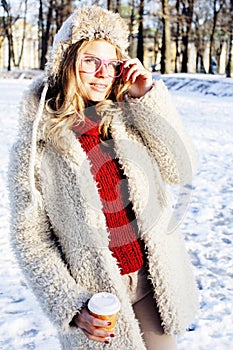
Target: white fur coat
<point>63,246</point>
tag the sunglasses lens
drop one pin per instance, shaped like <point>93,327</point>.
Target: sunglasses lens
<point>90,64</point>
<point>114,68</point>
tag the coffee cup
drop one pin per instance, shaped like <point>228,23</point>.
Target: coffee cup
<point>105,306</point>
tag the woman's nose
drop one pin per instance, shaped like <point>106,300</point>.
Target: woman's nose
<point>103,72</point>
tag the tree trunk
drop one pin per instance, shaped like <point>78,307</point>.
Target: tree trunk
<point>17,64</point>
<point>215,18</point>
<point>200,63</point>
<point>177,35</point>
<point>7,25</point>
<point>45,33</point>
<point>41,35</point>
<point>229,68</point>
<point>140,47</point>
<point>67,9</point>
<point>166,40</point>
<point>218,53</point>
<point>185,43</point>
<point>131,29</point>
<point>212,39</point>
<point>156,48</point>
<point>9,57</point>
<point>187,12</point>
<point>118,6</point>
<point>63,9</point>
<point>110,5</point>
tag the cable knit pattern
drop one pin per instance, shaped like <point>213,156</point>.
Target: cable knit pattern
<point>63,246</point>
<point>127,248</point>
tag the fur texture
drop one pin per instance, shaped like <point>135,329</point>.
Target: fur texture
<point>63,246</point>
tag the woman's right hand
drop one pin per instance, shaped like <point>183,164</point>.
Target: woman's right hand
<point>93,327</point>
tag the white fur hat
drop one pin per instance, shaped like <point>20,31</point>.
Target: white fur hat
<point>87,23</point>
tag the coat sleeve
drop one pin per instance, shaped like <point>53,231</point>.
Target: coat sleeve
<point>156,118</point>
<point>32,239</point>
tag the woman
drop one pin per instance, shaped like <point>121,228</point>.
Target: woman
<point>97,142</point>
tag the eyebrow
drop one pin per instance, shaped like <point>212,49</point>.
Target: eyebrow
<point>92,54</point>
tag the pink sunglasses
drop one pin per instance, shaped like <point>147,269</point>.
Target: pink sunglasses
<point>92,64</point>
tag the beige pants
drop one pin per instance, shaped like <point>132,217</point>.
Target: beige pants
<point>144,305</point>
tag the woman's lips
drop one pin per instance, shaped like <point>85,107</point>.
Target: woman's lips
<point>99,87</point>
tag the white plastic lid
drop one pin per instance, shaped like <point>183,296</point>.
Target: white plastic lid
<point>104,304</point>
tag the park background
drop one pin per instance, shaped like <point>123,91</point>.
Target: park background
<point>204,99</point>
<point>168,36</point>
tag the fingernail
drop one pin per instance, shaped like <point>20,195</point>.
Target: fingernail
<point>109,323</point>
<point>106,342</point>
<point>112,335</point>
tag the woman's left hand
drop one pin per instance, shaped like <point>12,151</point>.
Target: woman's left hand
<point>139,78</point>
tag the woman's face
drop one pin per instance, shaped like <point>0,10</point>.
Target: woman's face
<point>97,84</point>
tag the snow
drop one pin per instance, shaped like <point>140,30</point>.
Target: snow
<point>205,104</point>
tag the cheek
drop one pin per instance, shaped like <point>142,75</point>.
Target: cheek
<point>84,78</point>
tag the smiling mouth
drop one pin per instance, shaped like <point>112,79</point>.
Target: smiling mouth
<point>99,86</point>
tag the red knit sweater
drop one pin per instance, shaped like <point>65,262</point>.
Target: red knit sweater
<point>125,244</point>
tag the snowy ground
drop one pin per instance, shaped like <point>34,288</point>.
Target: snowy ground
<point>206,106</point>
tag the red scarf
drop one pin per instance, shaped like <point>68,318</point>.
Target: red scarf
<point>125,244</point>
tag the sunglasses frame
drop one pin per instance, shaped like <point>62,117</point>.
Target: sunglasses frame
<point>103,62</point>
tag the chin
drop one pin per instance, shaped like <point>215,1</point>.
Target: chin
<point>95,98</point>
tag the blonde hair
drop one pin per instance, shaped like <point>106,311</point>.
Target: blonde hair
<point>66,99</point>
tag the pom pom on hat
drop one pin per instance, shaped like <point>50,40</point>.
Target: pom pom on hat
<point>87,23</point>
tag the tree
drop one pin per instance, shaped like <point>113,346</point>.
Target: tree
<point>166,38</point>
<point>51,16</point>
<point>131,27</point>
<point>44,30</point>
<point>187,7</point>
<point>63,9</point>
<point>118,6</point>
<point>200,33</point>
<point>229,68</point>
<point>156,47</point>
<point>114,5</point>
<point>110,5</point>
<point>177,35</point>
<point>7,25</point>
<point>140,47</point>
<point>17,63</point>
<point>217,6</point>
